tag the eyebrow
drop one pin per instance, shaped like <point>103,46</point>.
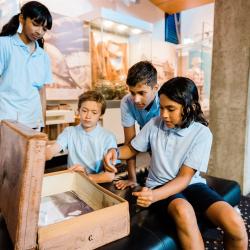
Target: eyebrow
<point>167,106</point>
<point>89,109</point>
<point>139,91</point>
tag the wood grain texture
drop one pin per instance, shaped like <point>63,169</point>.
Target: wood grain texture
<point>88,231</point>
<point>22,161</point>
<point>110,220</point>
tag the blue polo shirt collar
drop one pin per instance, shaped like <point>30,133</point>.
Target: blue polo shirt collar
<point>179,131</point>
<point>19,42</point>
<point>156,103</point>
<point>92,133</point>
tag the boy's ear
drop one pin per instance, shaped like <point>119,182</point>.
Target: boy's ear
<point>21,18</point>
<point>156,87</point>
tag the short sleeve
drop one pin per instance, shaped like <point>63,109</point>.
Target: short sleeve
<point>63,139</point>
<point>141,142</point>
<point>198,156</point>
<point>3,56</point>
<point>127,118</point>
<point>48,72</point>
<point>110,142</point>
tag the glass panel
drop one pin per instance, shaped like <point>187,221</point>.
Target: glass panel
<point>114,48</point>
<point>195,62</point>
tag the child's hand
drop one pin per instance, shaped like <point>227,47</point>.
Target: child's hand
<point>145,197</point>
<point>109,161</point>
<point>52,150</point>
<point>122,184</point>
<point>78,168</point>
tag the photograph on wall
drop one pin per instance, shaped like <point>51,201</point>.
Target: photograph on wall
<point>68,47</point>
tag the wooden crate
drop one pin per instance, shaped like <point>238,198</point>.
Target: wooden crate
<point>22,184</point>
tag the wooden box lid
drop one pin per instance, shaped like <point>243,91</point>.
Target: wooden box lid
<point>22,163</point>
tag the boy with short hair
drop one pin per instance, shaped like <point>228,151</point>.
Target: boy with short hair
<point>88,141</point>
<point>139,106</point>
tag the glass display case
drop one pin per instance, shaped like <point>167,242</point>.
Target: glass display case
<point>195,61</point>
<point>116,43</point>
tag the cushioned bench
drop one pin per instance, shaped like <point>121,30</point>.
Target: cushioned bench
<point>149,230</point>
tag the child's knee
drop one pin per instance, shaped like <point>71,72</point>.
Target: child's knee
<point>181,210</point>
<point>235,227</point>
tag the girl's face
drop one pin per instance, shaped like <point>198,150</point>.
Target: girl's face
<point>142,94</point>
<point>171,112</point>
<point>90,113</point>
<point>32,30</point>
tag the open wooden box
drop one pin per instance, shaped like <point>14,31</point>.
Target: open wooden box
<point>22,184</point>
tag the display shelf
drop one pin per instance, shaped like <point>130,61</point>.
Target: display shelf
<point>62,94</point>
<point>117,41</point>
<point>59,116</point>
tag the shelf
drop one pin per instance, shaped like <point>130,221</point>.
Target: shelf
<point>59,116</point>
<point>62,94</point>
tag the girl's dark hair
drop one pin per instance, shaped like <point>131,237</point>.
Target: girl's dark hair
<point>35,11</point>
<point>184,91</point>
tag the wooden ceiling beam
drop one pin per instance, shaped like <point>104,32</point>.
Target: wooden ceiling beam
<point>175,6</point>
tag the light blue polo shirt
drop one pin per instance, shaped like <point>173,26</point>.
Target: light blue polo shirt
<point>171,148</point>
<point>86,148</point>
<point>21,76</point>
<point>131,114</point>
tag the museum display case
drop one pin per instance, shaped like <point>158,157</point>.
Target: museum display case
<point>194,61</point>
<point>117,41</point>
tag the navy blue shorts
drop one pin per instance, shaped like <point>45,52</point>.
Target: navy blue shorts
<point>199,195</point>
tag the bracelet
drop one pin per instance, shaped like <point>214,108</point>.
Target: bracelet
<point>117,152</point>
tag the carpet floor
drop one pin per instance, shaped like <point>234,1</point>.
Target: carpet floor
<point>214,238</point>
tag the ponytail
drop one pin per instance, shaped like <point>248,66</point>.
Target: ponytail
<point>11,27</point>
<point>40,42</point>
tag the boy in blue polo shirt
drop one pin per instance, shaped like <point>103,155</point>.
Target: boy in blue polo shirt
<point>87,142</point>
<point>140,105</point>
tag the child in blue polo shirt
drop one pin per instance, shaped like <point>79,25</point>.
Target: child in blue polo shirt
<point>24,65</point>
<point>88,142</point>
<point>139,106</point>
<point>180,142</point>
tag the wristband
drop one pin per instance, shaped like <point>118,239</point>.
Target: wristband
<point>117,152</point>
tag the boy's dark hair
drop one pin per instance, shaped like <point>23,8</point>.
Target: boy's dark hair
<point>184,91</point>
<point>35,11</point>
<point>92,96</point>
<point>143,71</point>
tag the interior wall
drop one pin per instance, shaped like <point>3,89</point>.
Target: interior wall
<point>200,19</point>
<point>8,8</point>
<point>144,10</point>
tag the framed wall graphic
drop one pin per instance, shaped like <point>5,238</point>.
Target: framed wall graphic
<point>68,47</point>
